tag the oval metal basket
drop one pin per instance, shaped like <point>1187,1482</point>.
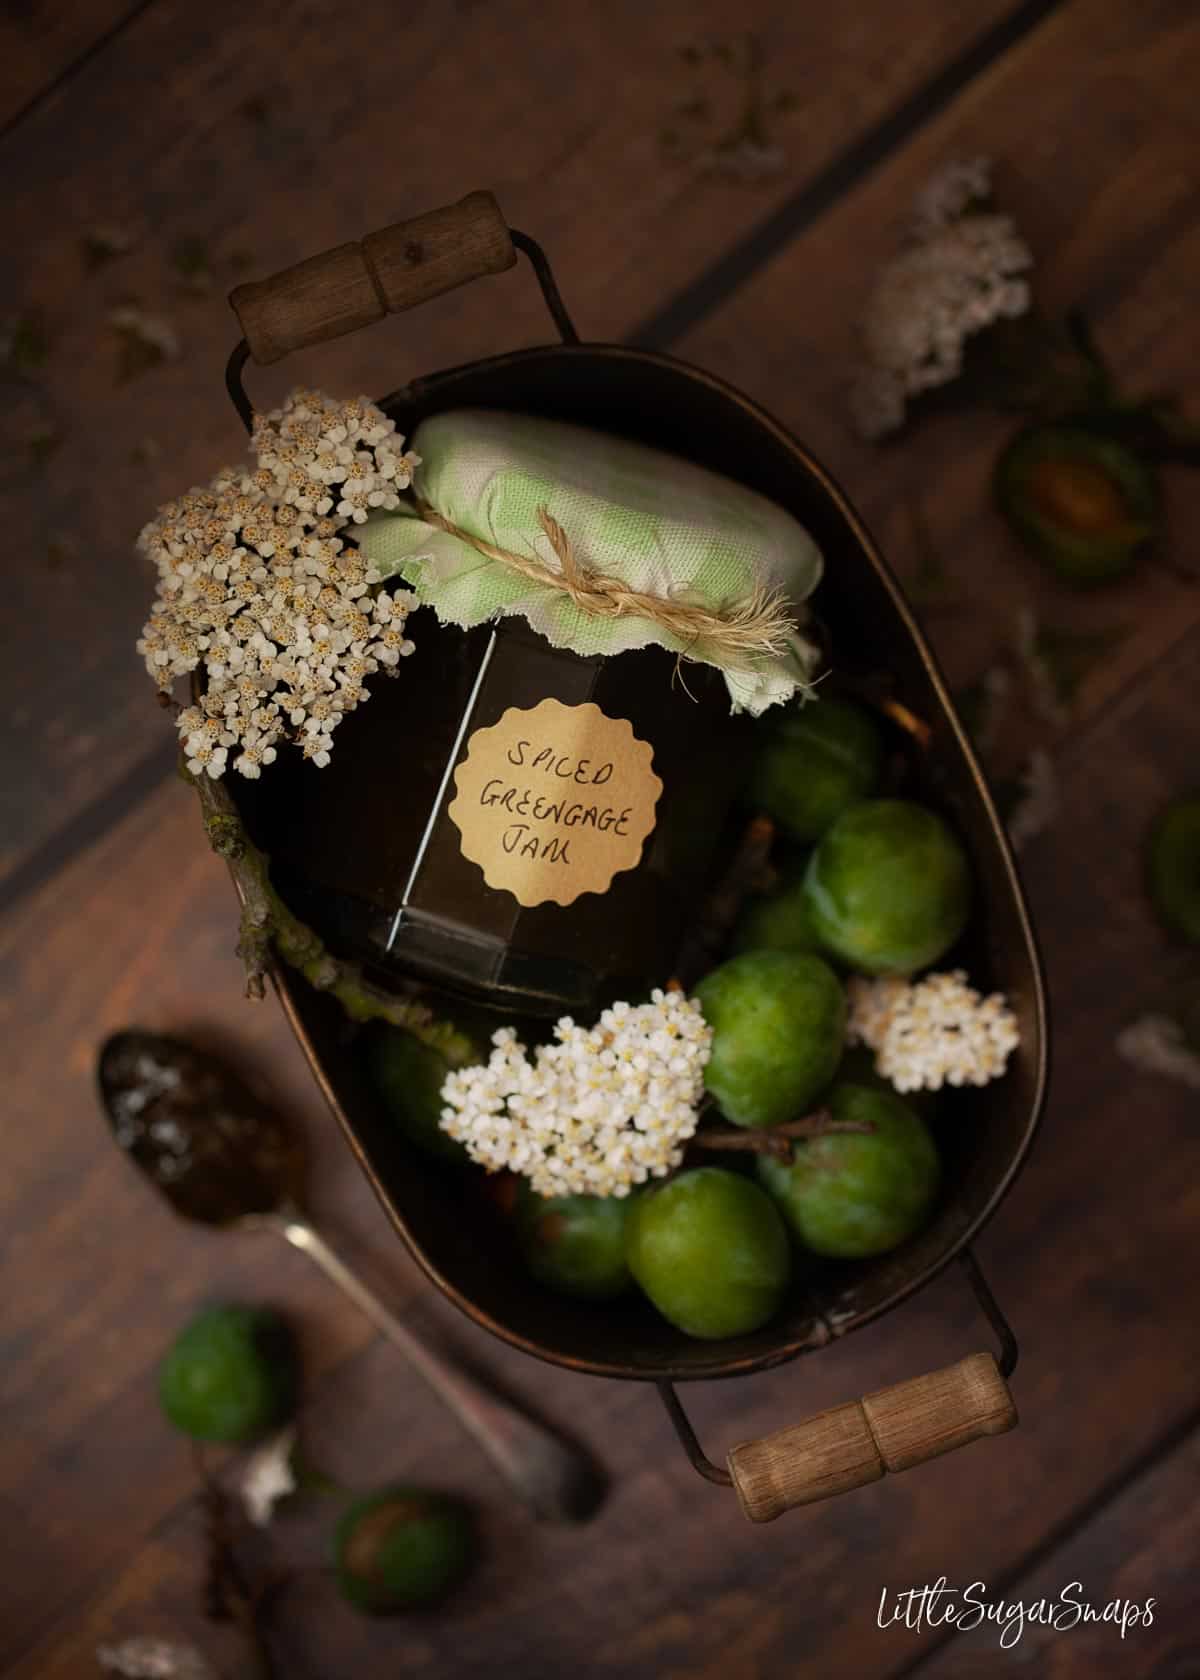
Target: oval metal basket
<point>665,402</point>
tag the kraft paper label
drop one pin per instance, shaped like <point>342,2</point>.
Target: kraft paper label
<point>554,801</point>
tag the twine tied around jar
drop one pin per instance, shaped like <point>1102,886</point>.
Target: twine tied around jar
<point>760,623</point>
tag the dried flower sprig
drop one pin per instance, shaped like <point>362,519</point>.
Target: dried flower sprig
<point>961,270</point>
<point>937,1032</point>
<point>960,186</point>
<point>983,706</point>
<point>1038,802</point>
<point>257,584</point>
<point>143,1658</point>
<point>1157,1044</point>
<point>145,340</point>
<point>269,1475</point>
<point>737,144</point>
<point>598,1111</point>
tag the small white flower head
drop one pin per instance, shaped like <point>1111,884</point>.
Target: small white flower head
<point>256,585</point>
<point>154,1659</point>
<point>154,333</point>
<point>269,1476</point>
<point>872,1005</point>
<point>995,693</point>
<point>1038,806</point>
<point>938,1031</point>
<point>1030,651</point>
<point>597,1112</point>
<point>962,269</point>
<point>1156,1044</point>
<point>959,186</point>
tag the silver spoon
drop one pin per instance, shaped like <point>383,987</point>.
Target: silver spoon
<point>221,1156</point>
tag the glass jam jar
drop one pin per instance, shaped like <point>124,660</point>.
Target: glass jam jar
<point>366,850</point>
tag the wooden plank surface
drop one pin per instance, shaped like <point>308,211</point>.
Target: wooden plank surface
<point>1139,1552</point>
<point>39,44</point>
<point>1096,149</point>
<point>670,1581</point>
<point>258,142</point>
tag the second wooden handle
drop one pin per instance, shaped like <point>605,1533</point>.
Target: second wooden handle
<point>353,285</point>
<point>890,1430</point>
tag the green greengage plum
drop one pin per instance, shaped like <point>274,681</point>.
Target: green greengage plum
<point>402,1548</point>
<point>710,1251</point>
<point>408,1076</point>
<point>1173,867</point>
<point>814,759</point>
<point>231,1375</point>
<point>777,921</point>
<point>888,887</point>
<point>857,1067</point>
<point>574,1244</point>
<point>850,1195</point>
<point>779,1022</point>
<point>1083,503</point>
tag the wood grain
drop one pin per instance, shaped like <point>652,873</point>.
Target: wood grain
<point>1076,1255</point>
<point>395,268</point>
<point>227,144</point>
<point>831,1453</point>
<point>1085,117</point>
<point>1138,1552</point>
<point>891,1430</point>
<point>39,44</point>
<point>1085,1254</point>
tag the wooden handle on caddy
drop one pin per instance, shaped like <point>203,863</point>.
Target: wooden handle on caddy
<point>890,1430</point>
<point>354,285</point>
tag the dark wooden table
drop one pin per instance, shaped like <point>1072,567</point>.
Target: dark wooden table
<point>226,140</point>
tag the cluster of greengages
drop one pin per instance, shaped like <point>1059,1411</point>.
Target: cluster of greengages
<point>232,1377</point>
<point>872,888</point>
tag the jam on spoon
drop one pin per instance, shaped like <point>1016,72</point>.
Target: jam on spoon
<point>221,1156</point>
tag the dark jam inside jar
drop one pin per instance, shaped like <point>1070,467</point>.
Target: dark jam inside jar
<point>365,851</point>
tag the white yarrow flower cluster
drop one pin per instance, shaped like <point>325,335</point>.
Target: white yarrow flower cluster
<point>938,1031</point>
<point>257,585</point>
<point>958,186</point>
<point>598,1111</point>
<point>961,271</point>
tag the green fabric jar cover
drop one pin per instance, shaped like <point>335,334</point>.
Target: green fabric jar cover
<point>660,524</point>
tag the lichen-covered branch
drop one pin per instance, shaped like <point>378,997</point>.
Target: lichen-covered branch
<point>269,930</point>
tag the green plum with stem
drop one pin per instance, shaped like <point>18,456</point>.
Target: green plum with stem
<point>853,1194</point>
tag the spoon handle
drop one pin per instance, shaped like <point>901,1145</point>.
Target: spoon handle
<point>556,1480</point>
